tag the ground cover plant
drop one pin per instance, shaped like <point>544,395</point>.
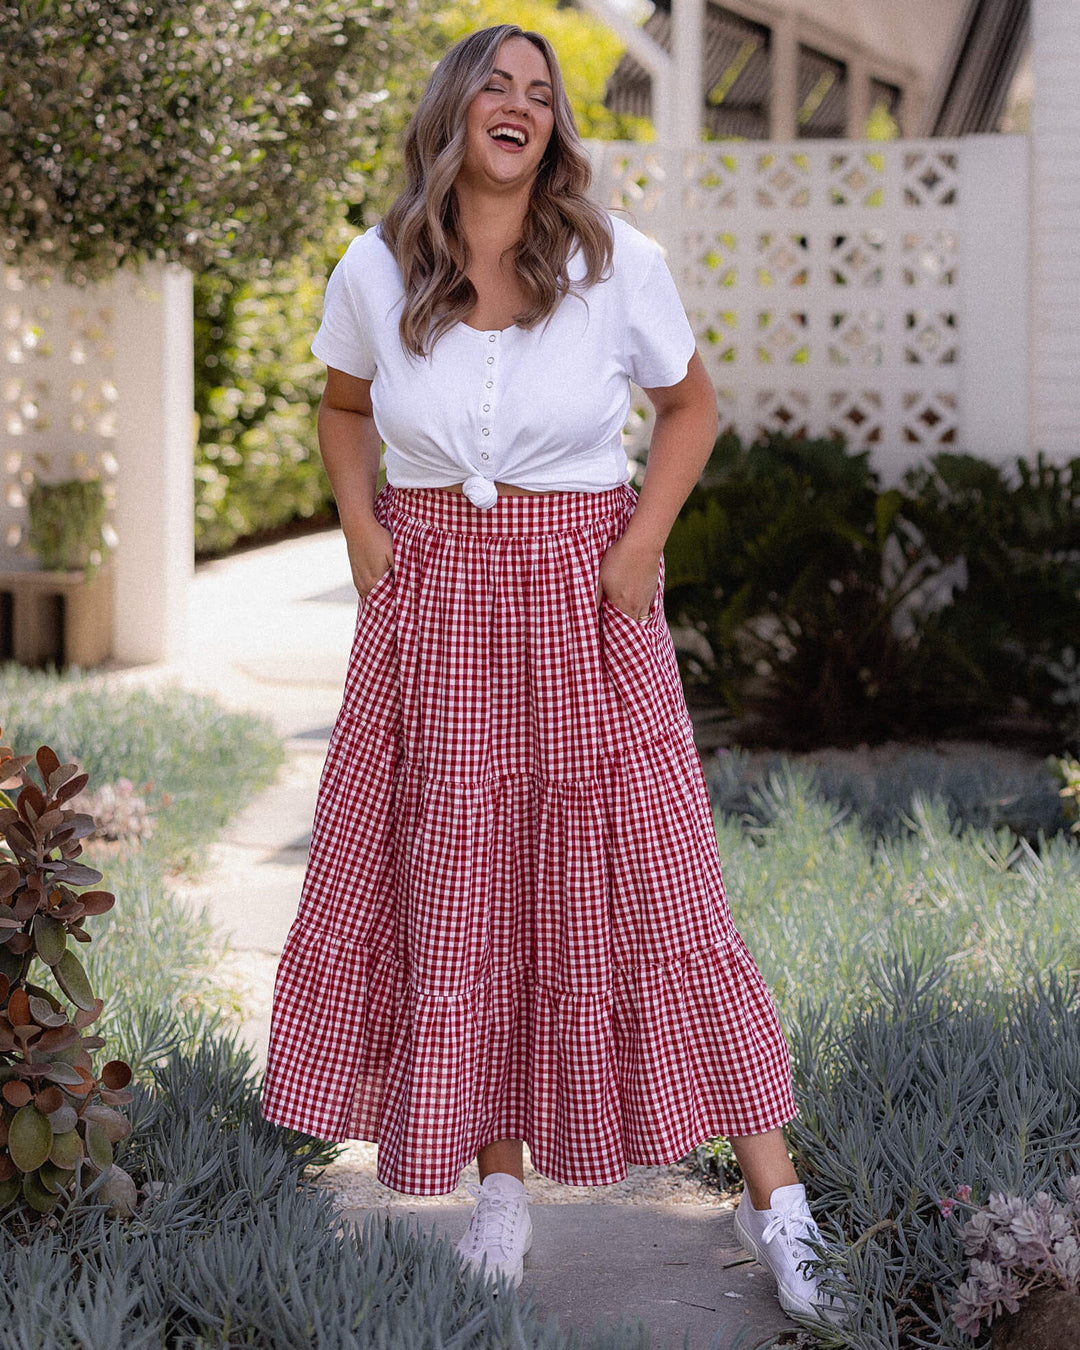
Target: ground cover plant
<point>230,1243</point>
<point>191,760</point>
<point>940,1090</point>
<point>821,902</point>
<point>925,966</point>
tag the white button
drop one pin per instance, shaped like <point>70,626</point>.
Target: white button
<point>489,385</point>
<point>491,360</point>
<point>491,337</point>
<point>487,431</point>
<point>487,407</point>
<point>484,455</point>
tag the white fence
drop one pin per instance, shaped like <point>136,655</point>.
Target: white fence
<point>878,291</point>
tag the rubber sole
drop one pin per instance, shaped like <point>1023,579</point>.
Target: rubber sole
<point>801,1307</point>
<point>513,1276</point>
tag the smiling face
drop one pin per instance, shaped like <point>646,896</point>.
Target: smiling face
<point>509,123</point>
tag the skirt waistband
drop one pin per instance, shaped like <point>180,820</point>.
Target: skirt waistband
<point>541,513</point>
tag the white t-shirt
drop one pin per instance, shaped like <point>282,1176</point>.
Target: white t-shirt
<point>539,408</point>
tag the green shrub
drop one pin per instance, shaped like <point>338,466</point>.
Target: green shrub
<point>130,132</point>
<point>257,390</point>
<point>1018,536</point>
<point>935,1085</point>
<point>776,561</point>
<point>822,610</point>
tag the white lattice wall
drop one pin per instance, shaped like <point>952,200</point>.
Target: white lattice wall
<point>107,370</point>
<point>830,284</point>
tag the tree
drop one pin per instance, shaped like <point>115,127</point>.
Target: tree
<point>219,134</point>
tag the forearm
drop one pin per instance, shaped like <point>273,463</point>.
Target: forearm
<point>681,444</point>
<point>350,447</point>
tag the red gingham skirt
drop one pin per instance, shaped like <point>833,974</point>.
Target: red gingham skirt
<point>513,924</point>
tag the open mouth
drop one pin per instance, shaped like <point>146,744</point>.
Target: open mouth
<point>507,135</point>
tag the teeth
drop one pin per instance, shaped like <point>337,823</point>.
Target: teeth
<point>513,132</point>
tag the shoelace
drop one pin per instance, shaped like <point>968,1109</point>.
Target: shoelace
<point>494,1217</point>
<point>794,1224</point>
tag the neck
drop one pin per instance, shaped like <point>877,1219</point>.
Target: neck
<point>491,221</point>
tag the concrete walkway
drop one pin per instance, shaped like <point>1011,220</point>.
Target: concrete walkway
<point>271,631</point>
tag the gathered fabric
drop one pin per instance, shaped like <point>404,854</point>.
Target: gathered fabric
<point>513,922</point>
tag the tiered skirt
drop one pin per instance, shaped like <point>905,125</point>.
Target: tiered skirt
<point>513,923</point>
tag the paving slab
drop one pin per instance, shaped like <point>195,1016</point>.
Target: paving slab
<point>679,1270</point>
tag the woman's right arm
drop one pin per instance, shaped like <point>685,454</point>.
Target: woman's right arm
<point>350,447</point>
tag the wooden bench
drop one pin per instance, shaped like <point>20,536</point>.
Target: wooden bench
<point>56,618</point>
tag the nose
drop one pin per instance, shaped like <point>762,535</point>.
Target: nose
<point>516,100</point>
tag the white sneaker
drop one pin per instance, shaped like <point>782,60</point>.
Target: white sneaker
<point>500,1228</point>
<point>778,1237</point>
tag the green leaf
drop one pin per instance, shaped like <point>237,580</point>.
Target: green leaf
<point>886,508</point>
<point>67,1148</point>
<point>37,1197</point>
<point>115,1125</point>
<point>50,998</point>
<point>54,1178</point>
<point>63,1120</point>
<point>50,938</point>
<point>72,979</point>
<point>10,964</point>
<point>63,1074</point>
<point>98,1146</point>
<point>30,1138</point>
<point>10,1189</point>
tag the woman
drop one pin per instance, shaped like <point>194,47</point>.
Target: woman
<point>513,923</point>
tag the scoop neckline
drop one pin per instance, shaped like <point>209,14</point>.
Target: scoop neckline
<point>485,332</point>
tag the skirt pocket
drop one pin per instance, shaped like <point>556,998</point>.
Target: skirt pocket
<point>639,662</point>
<point>372,693</point>
<point>381,595</point>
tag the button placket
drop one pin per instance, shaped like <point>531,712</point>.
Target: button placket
<point>486,414</point>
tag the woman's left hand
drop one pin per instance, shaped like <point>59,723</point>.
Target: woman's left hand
<point>629,576</point>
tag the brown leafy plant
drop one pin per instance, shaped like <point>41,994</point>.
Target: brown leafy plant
<point>58,1121</point>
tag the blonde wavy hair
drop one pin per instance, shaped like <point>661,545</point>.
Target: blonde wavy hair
<point>422,229</point>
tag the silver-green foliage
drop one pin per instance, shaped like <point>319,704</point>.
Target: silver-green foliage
<point>937,1083</point>
<point>820,905</point>
<point>237,1249</point>
<point>182,750</point>
<point>979,790</point>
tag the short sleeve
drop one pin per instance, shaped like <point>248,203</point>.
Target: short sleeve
<point>342,340</point>
<point>659,341</point>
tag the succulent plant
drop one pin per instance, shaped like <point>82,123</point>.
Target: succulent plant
<point>1017,1246</point>
<point>120,814</point>
<point>58,1121</point>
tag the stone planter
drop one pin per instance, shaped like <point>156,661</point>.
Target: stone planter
<point>1048,1319</point>
<point>57,618</point>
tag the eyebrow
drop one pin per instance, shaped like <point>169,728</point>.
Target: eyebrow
<point>507,76</point>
